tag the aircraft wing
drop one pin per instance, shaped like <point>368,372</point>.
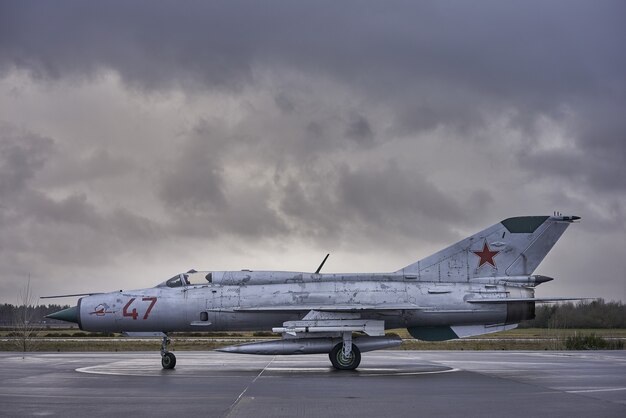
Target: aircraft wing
<point>536,300</point>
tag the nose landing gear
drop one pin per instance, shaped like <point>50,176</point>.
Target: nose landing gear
<point>168,360</point>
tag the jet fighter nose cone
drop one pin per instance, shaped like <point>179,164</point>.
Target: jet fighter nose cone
<point>229,349</point>
<point>68,315</point>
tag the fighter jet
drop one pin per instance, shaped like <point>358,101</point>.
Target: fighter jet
<point>481,284</point>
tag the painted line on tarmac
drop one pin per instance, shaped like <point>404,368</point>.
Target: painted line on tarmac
<point>234,404</point>
<point>118,370</point>
<point>364,372</point>
<point>595,390</point>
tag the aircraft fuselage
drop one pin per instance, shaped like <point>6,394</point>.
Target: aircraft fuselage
<point>249,306</point>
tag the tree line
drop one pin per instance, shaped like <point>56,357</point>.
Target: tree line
<point>596,314</point>
<point>36,314</point>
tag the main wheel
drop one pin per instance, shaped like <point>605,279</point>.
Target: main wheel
<point>168,361</point>
<point>341,362</point>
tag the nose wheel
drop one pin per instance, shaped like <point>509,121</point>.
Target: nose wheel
<point>168,360</point>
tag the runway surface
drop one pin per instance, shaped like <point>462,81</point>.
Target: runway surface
<point>388,384</point>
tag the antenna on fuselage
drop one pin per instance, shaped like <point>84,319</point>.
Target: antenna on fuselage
<point>321,265</point>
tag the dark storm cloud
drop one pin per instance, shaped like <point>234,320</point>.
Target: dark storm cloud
<point>48,229</point>
<point>97,164</point>
<point>340,122</point>
<point>387,201</point>
<point>596,168</point>
<point>527,50</point>
<point>367,193</point>
<point>360,131</point>
<point>21,156</point>
<point>201,200</point>
<point>40,231</point>
<point>284,103</point>
<point>434,63</point>
<point>230,181</point>
<point>193,182</point>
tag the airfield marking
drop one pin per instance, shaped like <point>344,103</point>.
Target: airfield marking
<point>361,372</point>
<point>222,368</point>
<point>231,407</point>
<point>595,390</point>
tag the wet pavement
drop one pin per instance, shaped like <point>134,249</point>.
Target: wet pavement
<point>388,383</point>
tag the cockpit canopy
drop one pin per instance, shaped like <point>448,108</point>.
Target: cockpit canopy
<point>192,277</point>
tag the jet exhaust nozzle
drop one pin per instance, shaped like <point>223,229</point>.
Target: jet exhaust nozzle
<point>67,315</point>
<point>310,345</point>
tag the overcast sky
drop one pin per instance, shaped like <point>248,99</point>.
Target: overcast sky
<point>142,139</point>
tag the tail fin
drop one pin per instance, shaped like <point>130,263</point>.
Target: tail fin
<point>513,247</point>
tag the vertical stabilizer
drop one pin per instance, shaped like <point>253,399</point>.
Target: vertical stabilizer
<point>513,247</point>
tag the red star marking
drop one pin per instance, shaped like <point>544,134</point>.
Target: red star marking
<point>486,255</point>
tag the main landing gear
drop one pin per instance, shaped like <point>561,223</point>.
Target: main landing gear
<point>345,355</point>
<point>168,360</point>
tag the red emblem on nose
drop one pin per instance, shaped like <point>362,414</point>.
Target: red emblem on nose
<point>101,310</point>
<point>486,255</point>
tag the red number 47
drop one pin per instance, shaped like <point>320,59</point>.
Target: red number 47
<point>133,314</point>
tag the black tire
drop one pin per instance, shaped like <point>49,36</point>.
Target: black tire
<point>168,361</point>
<point>342,363</point>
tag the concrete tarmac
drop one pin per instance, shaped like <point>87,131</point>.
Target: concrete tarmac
<point>387,384</point>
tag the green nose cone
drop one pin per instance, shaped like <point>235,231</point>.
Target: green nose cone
<point>68,315</point>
